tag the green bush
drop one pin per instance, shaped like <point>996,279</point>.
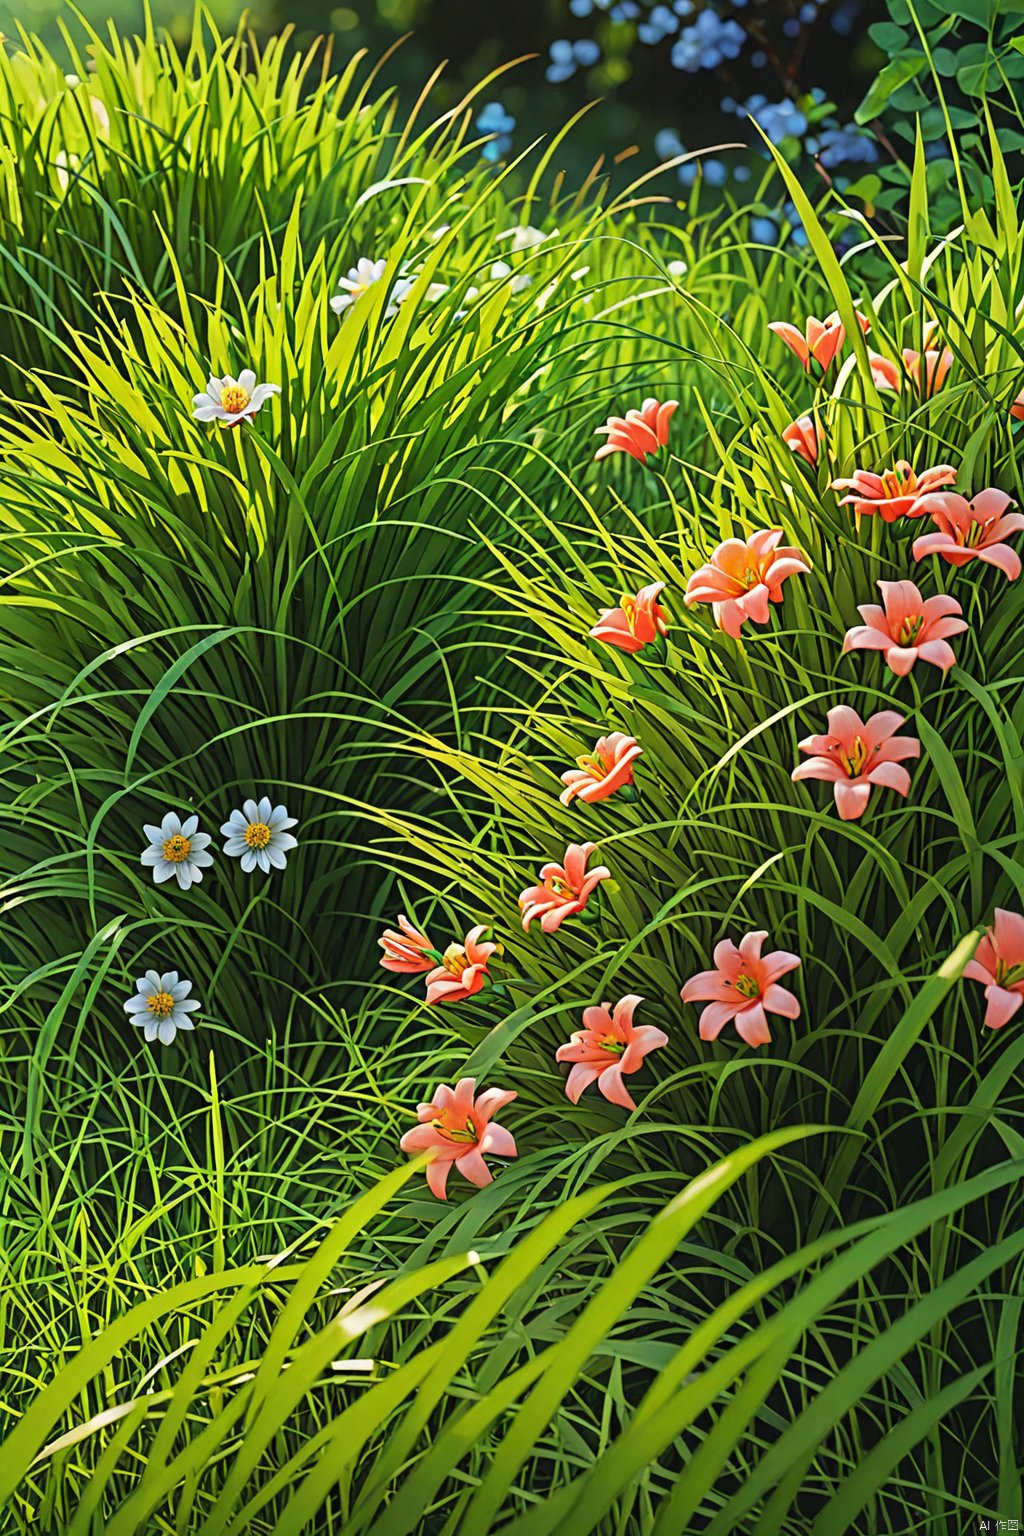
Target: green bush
<point>784,1294</point>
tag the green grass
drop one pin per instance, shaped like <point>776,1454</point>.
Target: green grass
<point>784,1296</point>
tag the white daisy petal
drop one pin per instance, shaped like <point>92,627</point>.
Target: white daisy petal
<point>263,860</point>
<point>285,840</point>
<point>185,875</point>
<point>247,379</point>
<point>249,860</point>
<point>167,1032</point>
<point>200,861</point>
<point>150,984</point>
<point>264,808</point>
<point>163,870</point>
<point>190,827</point>
<point>250,810</point>
<point>199,840</point>
<point>276,856</point>
<point>171,825</point>
<point>168,980</point>
<point>153,833</point>
<point>235,847</point>
<point>189,1005</point>
<point>151,856</point>
<point>137,1004</point>
<point>151,1029</point>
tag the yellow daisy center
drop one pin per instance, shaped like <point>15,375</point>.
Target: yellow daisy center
<point>234,399</point>
<point>160,1005</point>
<point>177,849</point>
<point>257,835</point>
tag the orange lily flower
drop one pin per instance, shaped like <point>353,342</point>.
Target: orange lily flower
<point>458,1128</point>
<point>635,623</point>
<point>608,768</point>
<point>565,890</point>
<point>638,433</point>
<point>608,1047</point>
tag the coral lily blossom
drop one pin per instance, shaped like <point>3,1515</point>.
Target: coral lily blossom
<point>608,1047</point>
<point>820,341</point>
<point>457,1128</point>
<point>856,754</point>
<point>999,964</point>
<point>743,988</point>
<point>927,370</point>
<point>907,627</point>
<point>565,889</point>
<point>893,492</point>
<point>608,768</point>
<point>463,969</point>
<point>408,951</point>
<point>743,577</point>
<point>970,530</point>
<point>1017,407</point>
<point>638,433</point>
<point>805,437</point>
<point>635,623</point>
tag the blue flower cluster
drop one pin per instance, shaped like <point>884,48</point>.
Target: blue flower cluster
<point>707,43</point>
<point>494,120</point>
<point>661,23</point>
<point>667,145</point>
<point>779,120</point>
<point>846,146</point>
<point>567,58</point>
<point>766,230</point>
<point>622,10</point>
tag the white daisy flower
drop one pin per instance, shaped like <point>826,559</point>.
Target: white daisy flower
<point>360,280</point>
<point>258,834</point>
<point>162,1005</point>
<point>229,401</point>
<point>519,281</point>
<point>525,236</point>
<point>177,848</point>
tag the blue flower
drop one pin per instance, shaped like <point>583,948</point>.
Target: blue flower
<point>661,23</point>
<point>498,124</point>
<point>707,43</point>
<point>779,120</point>
<point>567,58</point>
<point>846,146</point>
<point>763,230</point>
<point>626,10</point>
<point>667,144</point>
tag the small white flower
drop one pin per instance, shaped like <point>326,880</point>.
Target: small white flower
<point>258,834</point>
<point>162,1005</point>
<point>524,236</point>
<point>177,848</point>
<point>360,280</point>
<point>677,269</point>
<point>521,280</point>
<point>228,401</point>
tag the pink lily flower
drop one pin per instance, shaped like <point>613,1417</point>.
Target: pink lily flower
<point>894,492</point>
<point>743,987</point>
<point>909,626</point>
<point>805,437</point>
<point>565,890</point>
<point>926,370</point>
<point>634,624</point>
<point>638,433</point>
<point>970,530</point>
<point>463,970</point>
<point>458,1129</point>
<point>821,339</point>
<point>999,964</point>
<point>1017,408</point>
<point>408,951</point>
<point>608,1047</point>
<point>743,577</point>
<point>855,754</point>
<point>608,768</point>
